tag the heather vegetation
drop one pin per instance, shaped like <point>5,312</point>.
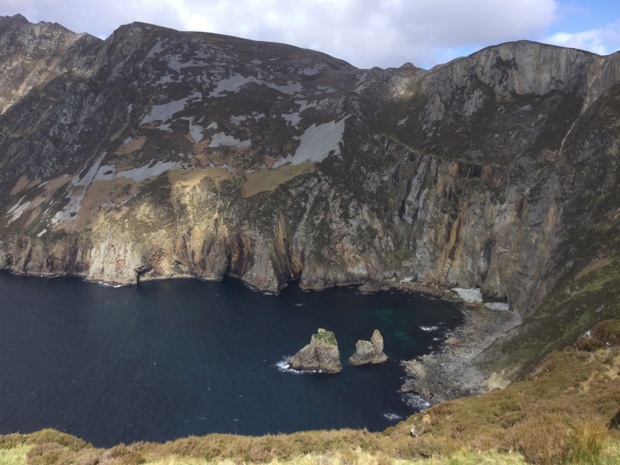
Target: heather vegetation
<point>561,413</point>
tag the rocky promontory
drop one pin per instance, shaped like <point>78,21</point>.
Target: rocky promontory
<point>321,354</point>
<point>369,352</point>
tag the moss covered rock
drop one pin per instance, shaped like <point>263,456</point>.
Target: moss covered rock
<point>321,354</point>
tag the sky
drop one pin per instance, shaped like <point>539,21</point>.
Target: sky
<point>366,33</point>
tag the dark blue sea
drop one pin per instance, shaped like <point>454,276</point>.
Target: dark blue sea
<point>170,359</point>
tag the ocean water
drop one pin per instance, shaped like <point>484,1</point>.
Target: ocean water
<point>170,359</point>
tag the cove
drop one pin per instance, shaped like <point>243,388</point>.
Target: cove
<point>170,359</point>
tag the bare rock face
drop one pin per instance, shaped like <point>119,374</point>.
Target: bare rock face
<point>321,354</point>
<point>369,352</point>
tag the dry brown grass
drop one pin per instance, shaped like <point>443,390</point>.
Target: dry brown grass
<point>133,145</point>
<point>187,179</point>
<point>268,180</point>
<point>555,439</point>
<point>563,408</point>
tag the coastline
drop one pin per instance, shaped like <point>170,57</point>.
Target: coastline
<point>455,371</point>
<point>437,377</point>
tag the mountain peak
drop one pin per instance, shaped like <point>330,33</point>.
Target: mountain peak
<point>17,18</point>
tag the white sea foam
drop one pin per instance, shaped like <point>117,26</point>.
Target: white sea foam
<point>284,367</point>
<point>428,329</point>
<point>392,416</point>
<point>417,402</point>
<point>104,284</point>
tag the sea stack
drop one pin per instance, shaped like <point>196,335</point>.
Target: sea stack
<point>369,352</point>
<point>321,354</point>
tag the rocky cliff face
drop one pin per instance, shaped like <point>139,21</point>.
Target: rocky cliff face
<point>199,155</point>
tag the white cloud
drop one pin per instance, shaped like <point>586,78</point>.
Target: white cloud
<point>587,40</point>
<point>602,41</point>
<point>363,32</point>
<point>376,32</point>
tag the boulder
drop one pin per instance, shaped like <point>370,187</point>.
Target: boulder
<point>321,354</point>
<point>369,352</point>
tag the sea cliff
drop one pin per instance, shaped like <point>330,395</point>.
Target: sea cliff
<point>200,155</point>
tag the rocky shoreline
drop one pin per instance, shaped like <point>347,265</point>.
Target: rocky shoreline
<point>457,370</point>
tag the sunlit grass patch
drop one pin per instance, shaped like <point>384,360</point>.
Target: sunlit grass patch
<point>268,180</point>
<point>15,455</point>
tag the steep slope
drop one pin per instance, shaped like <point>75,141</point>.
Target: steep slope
<point>199,155</point>
<point>584,270</point>
<point>33,54</point>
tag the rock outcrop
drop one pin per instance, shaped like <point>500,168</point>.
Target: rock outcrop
<point>369,352</point>
<point>321,354</point>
